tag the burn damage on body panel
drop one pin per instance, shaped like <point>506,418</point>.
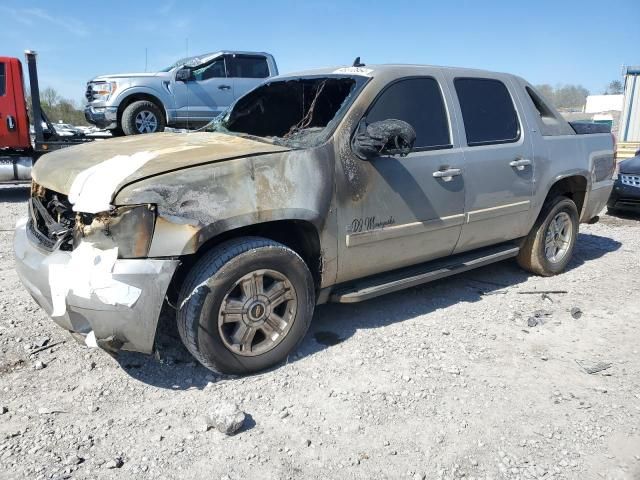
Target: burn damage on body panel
<point>297,112</point>
<point>355,177</point>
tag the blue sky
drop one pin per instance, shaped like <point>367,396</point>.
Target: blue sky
<point>560,41</point>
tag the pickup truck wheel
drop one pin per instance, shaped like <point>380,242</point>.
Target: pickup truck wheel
<point>549,246</point>
<point>245,305</point>
<point>142,117</point>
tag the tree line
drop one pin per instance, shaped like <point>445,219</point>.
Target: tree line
<point>58,108</point>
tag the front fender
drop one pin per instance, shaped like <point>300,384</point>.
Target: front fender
<point>199,203</point>
<point>163,97</point>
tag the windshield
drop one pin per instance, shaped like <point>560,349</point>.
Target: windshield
<point>298,112</point>
<point>187,62</point>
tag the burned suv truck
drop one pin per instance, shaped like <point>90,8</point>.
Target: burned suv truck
<point>333,185</point>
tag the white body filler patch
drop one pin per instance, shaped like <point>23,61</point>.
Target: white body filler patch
<point>84,271</point>
<point>354,71</point>
<point>92,189</point>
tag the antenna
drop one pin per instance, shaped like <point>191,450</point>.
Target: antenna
<point>187,83</point>
<point>146,58</point>
<point>357,63</point>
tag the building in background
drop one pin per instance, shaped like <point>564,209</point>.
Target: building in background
<point>629,131</point>
<point>603,103</point>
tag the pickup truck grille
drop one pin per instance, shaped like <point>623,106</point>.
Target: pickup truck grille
<point>89,93</point>
<point>631,180</point>
<point>51,220</point>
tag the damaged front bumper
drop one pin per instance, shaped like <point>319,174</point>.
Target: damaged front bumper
<point>109,303</point>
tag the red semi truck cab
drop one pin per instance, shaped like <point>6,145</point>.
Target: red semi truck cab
<point>17,153</point>
<point>14,122</point>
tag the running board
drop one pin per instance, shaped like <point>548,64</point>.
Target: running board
<point>364,289</point>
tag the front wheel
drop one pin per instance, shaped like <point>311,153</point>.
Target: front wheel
<point>245,305</point>
<point>142,117</point>
<point>549,246</point>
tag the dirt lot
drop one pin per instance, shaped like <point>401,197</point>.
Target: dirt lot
<point>447,380</point>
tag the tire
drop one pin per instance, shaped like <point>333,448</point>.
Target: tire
<point>534,256</point>
<point>210,331</point>
<point>142,116</point>
<point>117,132</point>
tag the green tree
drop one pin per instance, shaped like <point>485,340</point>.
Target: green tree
<point>57,108</point>
<point>546,91</point>
<point>614,88</point>
<point>565,97</point>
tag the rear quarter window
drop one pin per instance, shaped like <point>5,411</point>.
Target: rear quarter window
<point>488,112</point>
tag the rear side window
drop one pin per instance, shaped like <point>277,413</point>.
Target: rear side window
<point>419,102</point>
<point>244,66</point>
<point>487,111</point>
<point>3,82</point>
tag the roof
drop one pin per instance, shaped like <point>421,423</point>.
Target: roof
<point>375,70</point>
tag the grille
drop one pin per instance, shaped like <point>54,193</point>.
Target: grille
<point>51,220</point>
<point>631,180</point>
<point>89,93</point>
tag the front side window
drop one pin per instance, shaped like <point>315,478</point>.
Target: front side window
<point>487,111</point>
<point>299,112</point>
<point>419,102</point>
<point>214,69</point>
<point>3,82</point>
<point>245,66</point>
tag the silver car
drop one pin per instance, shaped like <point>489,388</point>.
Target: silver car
<point>188,93</point>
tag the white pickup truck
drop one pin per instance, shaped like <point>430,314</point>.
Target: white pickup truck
<point>188,93</point>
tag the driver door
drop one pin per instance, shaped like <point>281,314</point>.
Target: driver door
<point>208,92</point>
<point>407,215</point>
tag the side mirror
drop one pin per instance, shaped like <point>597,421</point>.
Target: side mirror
<point>183,75</point>
<point>387,136</point>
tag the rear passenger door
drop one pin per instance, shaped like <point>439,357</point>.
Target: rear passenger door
<point>246,72</point>
<point>498,160</point>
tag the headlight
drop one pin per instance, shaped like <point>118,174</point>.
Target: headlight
<point>103,90</point>
<point>128,228</point>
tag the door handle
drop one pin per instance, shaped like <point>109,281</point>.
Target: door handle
<point>520,163</point>
<point>224,87</point>
<point>448,174</point>
<point>11,123</point>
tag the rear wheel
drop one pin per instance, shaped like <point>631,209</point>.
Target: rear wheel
<point>142,116</point>
<point>245,305</point>
<point>549,246</point>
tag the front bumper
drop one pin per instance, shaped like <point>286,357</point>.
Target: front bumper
<point>101,316</point>
<point>624,197</point>
<point>102,117</point>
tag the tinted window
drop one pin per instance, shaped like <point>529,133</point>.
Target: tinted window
<point>2,80</point>
<point>417,101</point>
<point>212,70</point>
<point>247,67</point>
<point>487,110</point>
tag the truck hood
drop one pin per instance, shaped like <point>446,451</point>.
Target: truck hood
<point>630,165</point>
<point>123,75</point>
<point>91,174</point>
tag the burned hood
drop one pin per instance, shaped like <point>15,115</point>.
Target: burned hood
<point>91,174</point>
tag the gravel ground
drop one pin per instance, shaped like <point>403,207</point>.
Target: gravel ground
<point>473,377</point>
